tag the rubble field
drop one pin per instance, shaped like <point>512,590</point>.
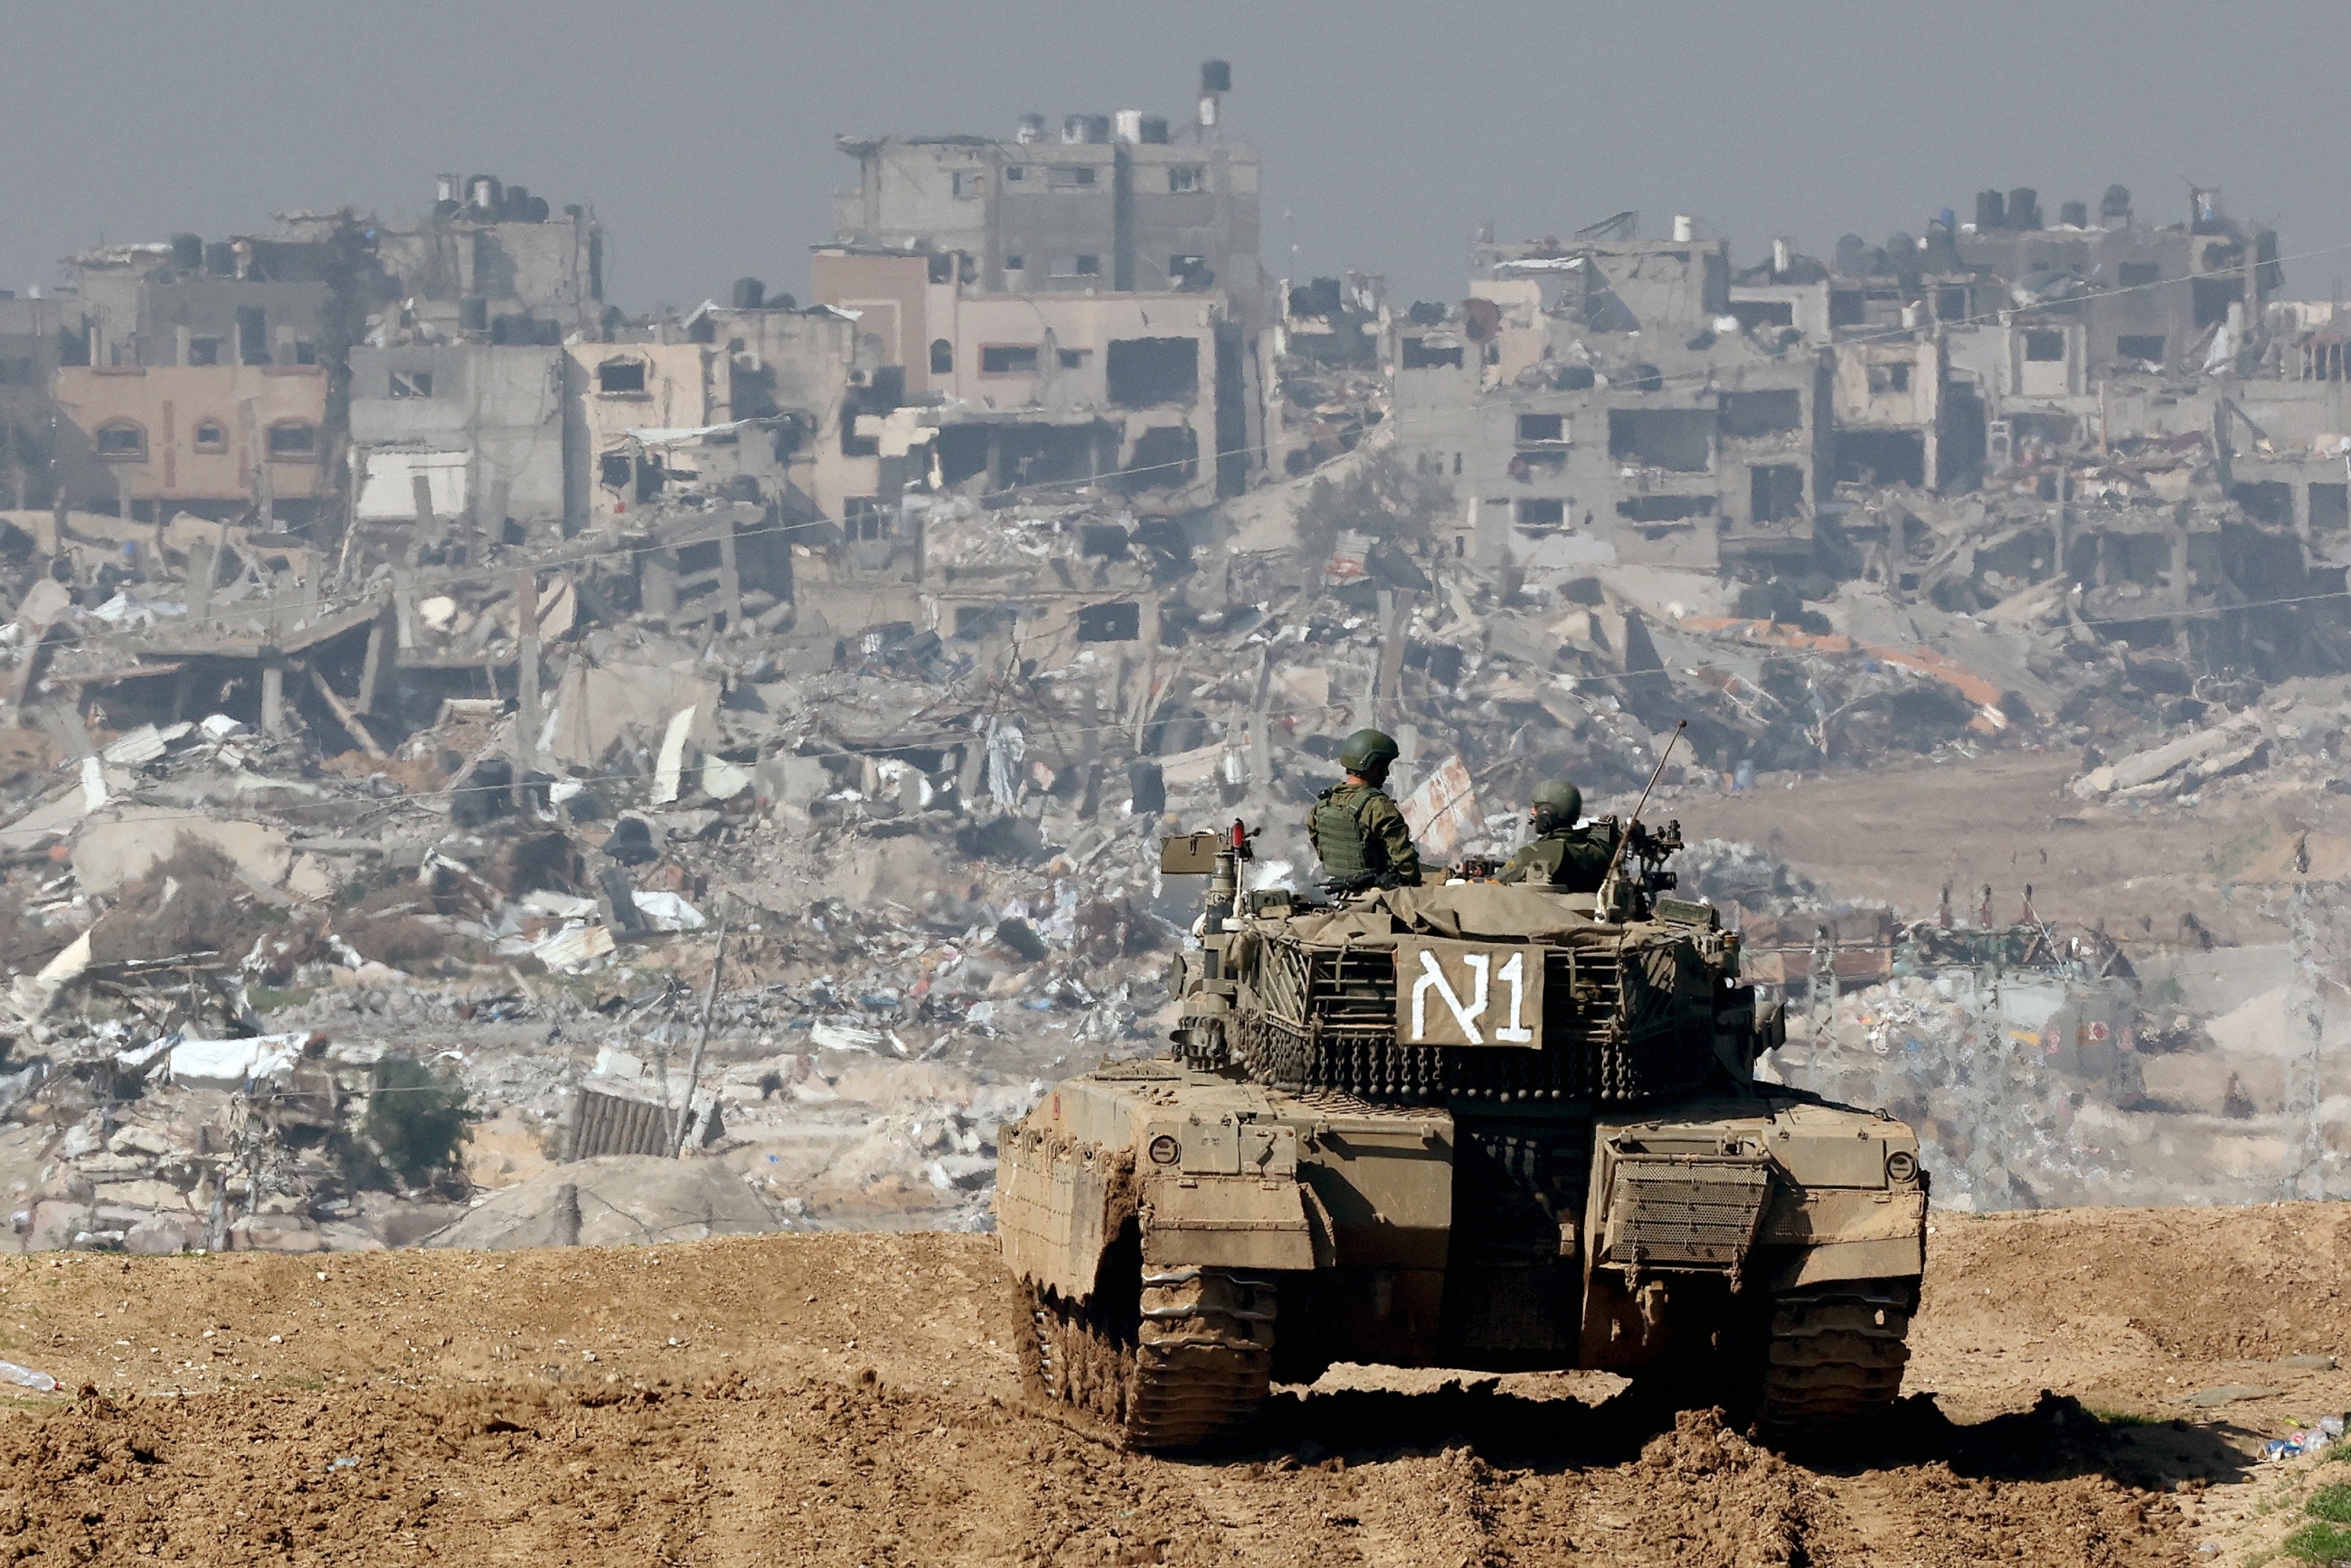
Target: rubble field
<point>2088,1387</point>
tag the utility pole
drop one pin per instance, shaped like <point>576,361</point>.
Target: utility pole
<point>693,1064</point>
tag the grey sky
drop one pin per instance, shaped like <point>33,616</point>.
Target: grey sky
<point>702,132</point>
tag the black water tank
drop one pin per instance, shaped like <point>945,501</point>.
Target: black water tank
<point>220,258</point>
<point>1216,76</point>
<point>2024,208</point>
<point>2075,214</point>
<point>539,211</point>
<point>1991,212</point>
<point>188,252</point>
<point>749,293</point>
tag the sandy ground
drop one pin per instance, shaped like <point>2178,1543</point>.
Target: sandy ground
<point>850,1399</point>
<point>1897,834</point>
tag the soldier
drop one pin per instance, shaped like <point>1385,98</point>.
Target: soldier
<point>1564,856</point>
<point>1356,831</point>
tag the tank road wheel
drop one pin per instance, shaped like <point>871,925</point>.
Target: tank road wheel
<point>1833,1358</point>
<point>1190,1370</point>
<point>1203,1357</point>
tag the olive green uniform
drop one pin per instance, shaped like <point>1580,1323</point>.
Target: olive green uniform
<point>1572,860</point>
<point>1357,832</point>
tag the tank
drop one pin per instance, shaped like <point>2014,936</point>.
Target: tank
<point>1467,1124</point>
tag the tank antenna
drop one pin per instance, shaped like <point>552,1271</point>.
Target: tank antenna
<point>1616,861</point>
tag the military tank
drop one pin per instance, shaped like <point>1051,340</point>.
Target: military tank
<point>1467,1124</point>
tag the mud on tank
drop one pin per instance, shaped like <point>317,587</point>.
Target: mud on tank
<point>1469,1125</point>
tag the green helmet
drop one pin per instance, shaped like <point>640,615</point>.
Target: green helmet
<point>1560,798</point>
<point>1366,749</point>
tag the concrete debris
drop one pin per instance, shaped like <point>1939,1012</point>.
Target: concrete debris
<point>389,793</point>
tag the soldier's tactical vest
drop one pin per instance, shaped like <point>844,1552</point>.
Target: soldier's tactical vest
<point>1336,831</point>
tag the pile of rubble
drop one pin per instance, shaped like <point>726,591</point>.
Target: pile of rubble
<point>342,893</point>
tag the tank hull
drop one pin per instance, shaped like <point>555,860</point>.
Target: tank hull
<point>1539,1236</point>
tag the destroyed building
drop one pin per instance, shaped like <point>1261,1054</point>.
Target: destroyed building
<point>1597,401</point>
<point>492,259</point>
<point>1123,203</point>
<point>881,632</point>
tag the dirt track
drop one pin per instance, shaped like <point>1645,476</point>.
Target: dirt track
<point>848,1399</point>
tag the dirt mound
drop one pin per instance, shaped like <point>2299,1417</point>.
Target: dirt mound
<point>854,1398</point>
<point>619,1200</point>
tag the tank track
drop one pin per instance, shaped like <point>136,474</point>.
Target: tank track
<point>1192,1371</point>
<point>1834,1359</point>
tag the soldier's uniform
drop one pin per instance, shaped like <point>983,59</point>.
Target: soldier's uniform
<point>1357,832</point>
<point>1564,856</point>
<point>1571,860</point>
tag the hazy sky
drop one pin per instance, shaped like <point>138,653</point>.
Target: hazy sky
<point>702,134</point>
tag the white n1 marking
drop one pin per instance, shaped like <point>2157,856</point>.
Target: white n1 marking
<point>1433,975</point>
<point>1515,974</point>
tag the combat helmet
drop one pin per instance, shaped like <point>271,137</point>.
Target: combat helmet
<point>1561,800</point>
<point>1368,750</point>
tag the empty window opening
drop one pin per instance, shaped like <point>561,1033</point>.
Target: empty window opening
<point>969,183</point>
<point>2212,297</point>
<point>1844,308</point>
<point>1189,269</point>
<point>1007,359</point>
<point>1678,438</point>
<point>1665,508</point>
<point>1015,175</point>
<point>974,622</point>
<point>1121,623</point>
<point>1753,313</point>
<point>1540,429</point>
<point>203,350</point>
<point>1074,359</point>
<point>1421,354</point>
<point>211,435</point>
<point>411,383</point>
<point>1070,177</point>
<point>1952,302</point>
<point>1890,378</point>
<point>1183,178</point>
<point>1075,267</point>
<point>1164,457</point>
<point>1143,371</point>
<point>2330,509</point>
<point>2044,346</point>
<point>2148,347</point>
<point>121,441</point>
<point>2267,501</point>
<point>863,519</point>
<point>1775,491</point>
<point>942,357</point>
<point>621,376</point>
<point>1539,513</point>
<point>941,268</point>
<point>305,353</point>
<point>1762,413</point>
<point>252,335</point>
<point>293,439</point>
<point>1015,264</point>
<point>1882,457</point>
<point>2139,274</point>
